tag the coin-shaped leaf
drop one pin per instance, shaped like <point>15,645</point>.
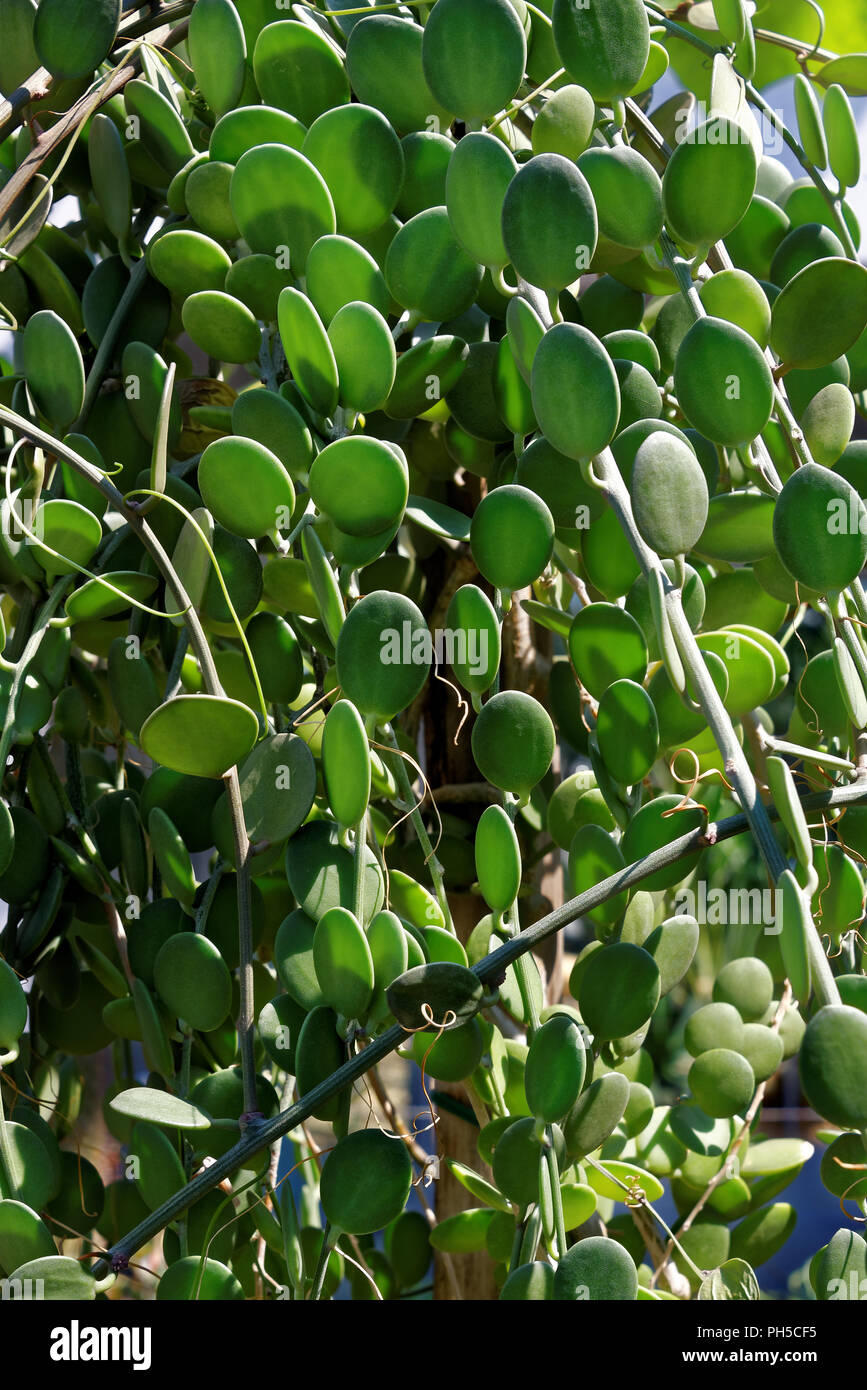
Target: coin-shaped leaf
<point>606,644</point>
<point>279,199</point>
<point>362,484</point>
<point>833,1065</point>
<point>549,222</point>
<point>203,735</point>
<point>298,70</point>
<point>473,54</point>
<point>366,1181</point>
<point>669,495</point>
<point>709,181</point>
<point>361,160</point>
<point>428,270</point>
<point>513,741</point>
<point>628,731</point>
<point>596,1268</point>
<point>723,382</point>
<point>619,990</point>
<point>820,528</point>
<point>73,36</point>
<point>820,313</point>
<point>512,536</point>
<point>245,486</point>
<point>576,395</point>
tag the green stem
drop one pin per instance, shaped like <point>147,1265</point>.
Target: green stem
<point>821,55</point>
<point>515,1257</point>
<point>208,896</point>
<point>806,755</point>
<point>358,869</point>
<point>790,426</point>
<point>682,272</point>
<point>7,1162</point>
<point>556,1194</point>
<point>246,1017</point>
<point>418,825</point>
<point>173,680</point>
<point>322,1264</point>
<point>108,342</point>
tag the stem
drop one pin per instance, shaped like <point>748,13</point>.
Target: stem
<point>173,680</point>
<point>246,1018</point>
<point>821,55</point>
<point>322,1265</point>
<point>769,744</point>
<point>515,1257</point>
<point>358,869</point>
<point>107,343</point>
<point>556,1195</point>
<point>682,271</point>
<point>418,825</point>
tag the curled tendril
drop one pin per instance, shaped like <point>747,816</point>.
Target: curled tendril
<point>387,748</point>
<point>817,727</point>
<point>434,1119</point>
<point>463,705</point>
<point>695,780</point>
<point>821,18</point>
<point>844,1196</point>
<point>636,1195</point>
<point>10,318</point>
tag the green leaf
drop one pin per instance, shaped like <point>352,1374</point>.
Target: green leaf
<point>437,518</point>
<point>73,36</point>
<point>203,735</point>
<point>63,1279</point>
<point>734,1281</point>
<point>146,1103</point>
